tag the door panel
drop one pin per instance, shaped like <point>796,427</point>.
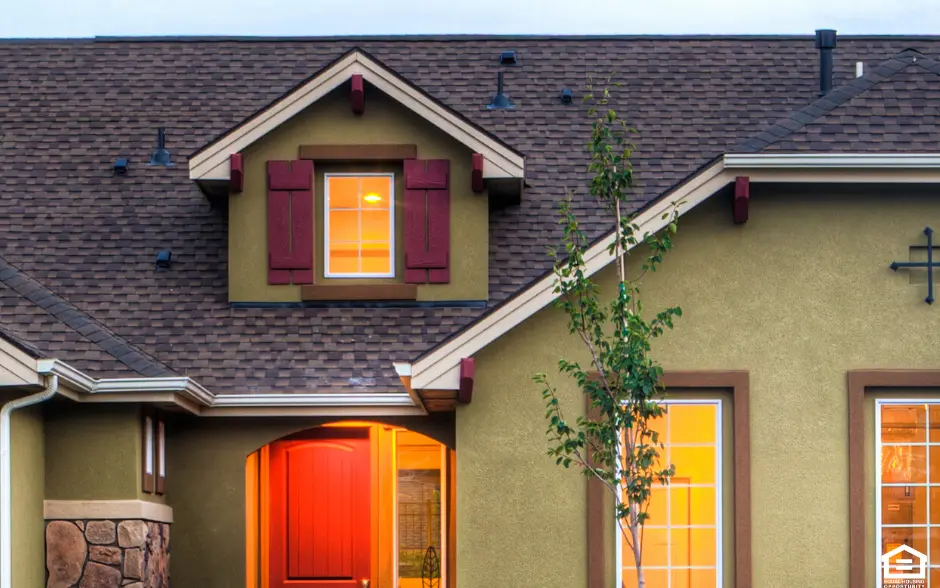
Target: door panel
<point>320,513</point>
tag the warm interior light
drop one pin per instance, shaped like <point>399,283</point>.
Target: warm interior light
<point>372,198</point>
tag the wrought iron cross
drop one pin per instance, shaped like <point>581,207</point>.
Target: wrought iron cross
<point>929,265</point>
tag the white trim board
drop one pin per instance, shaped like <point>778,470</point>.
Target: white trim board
<point>192,397</point>
<point>440,368</point>
<point>107,509</point>
<point>212,162</point>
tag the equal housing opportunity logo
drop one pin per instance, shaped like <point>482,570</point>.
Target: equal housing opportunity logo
<point>904,567</point>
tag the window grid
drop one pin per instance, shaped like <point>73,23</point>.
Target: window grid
<point>359,243</point>
<point>669,568</point>
<point>927,443</point>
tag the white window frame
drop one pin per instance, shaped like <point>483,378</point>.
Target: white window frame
<point>880,402</point>
<point>718,403</point>
<point>326,226</point>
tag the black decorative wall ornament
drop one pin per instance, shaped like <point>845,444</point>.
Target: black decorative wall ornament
<point>929,265</point>
<point>431,570</point>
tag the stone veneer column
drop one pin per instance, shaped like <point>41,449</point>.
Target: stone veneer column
<point>107,554</point>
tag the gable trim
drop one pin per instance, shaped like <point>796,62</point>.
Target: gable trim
<point>439,367</point>
<point>17,368</point>
<point>211,162</point>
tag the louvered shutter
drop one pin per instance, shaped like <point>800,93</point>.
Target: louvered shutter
<point>290,222</point>
<point>427,221</point>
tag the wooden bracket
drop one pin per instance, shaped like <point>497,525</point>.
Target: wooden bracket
<point>465,394</point>
<point>476,176</point>
<point>237,173</point>
<point>742,196</point>
<point>357,95</point>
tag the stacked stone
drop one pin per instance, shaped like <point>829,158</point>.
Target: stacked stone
<point>107,554</point>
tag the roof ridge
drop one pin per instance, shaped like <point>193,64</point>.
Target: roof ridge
<point>824,105</point>
<point>68,314</point>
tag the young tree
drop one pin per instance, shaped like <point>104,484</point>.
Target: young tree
<point>616,445</point>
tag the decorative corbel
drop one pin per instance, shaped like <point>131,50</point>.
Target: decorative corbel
<point>357,96</point>
<point>465,393</point>
<point>476,176</point>
<point>236,173</point>
<point>742,197</point>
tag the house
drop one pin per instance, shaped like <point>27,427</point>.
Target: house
<point>911,565</point>
<point>270,309</point>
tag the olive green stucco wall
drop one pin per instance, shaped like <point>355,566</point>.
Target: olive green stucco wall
<point>27,459</point>
<point>797,296</point>
<point>206,488</point>
<point>94,452</point>
<point>331,121</point>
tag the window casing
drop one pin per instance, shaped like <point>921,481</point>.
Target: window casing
<point>682,539</point>
<point>907,490</point>
<point>359,223</point>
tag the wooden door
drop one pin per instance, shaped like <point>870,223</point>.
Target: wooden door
<point>321,512</point>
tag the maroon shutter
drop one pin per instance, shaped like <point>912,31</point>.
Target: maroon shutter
<point>427,221</point>
<point>290,222</point>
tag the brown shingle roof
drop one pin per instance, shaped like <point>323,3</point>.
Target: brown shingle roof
<point>71,108</point>
<point>892,107</point>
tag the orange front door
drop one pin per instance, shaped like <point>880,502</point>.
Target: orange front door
<point>320,512</point>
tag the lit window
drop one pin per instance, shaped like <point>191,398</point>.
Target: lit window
<point>682,536</point>
<point>360,224</point>
<point>908,493</point>
<point>420,511</point>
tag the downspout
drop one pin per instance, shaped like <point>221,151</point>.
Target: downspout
<point>6,490</point>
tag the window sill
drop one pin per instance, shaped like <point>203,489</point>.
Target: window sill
<point>320,292</point>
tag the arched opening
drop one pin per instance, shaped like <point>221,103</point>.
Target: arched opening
<point>351,504</point>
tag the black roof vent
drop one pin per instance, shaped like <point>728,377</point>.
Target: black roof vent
<point>567,96</point>
<point>160,155</point>
<point>825,42</point>
<point>120,166</point>
<point>500,100</point>
<point>164,258</point>
<point>508,58</point>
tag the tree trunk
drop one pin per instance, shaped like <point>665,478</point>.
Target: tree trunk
<point>635,531</point>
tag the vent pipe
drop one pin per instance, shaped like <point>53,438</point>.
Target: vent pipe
<point>500,100</point>
<point>160,155</point>
<point>825,43</point>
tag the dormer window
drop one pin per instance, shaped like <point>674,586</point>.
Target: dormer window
<point>359,240</point>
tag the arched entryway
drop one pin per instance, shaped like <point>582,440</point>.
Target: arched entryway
<point>351,504</point>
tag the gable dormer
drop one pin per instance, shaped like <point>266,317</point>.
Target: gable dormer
<point>357,185</point>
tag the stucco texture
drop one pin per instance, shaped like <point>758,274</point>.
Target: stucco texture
<point>94,452</point>
<point>797,296</point>
<point>207,491</point>
<point>27,462</point>
<point>330,121</point>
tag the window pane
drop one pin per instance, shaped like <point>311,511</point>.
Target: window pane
<point>657,507</point>
<point>915,537</point>
<point>419,508</point>
<point>376,258</point>
<point>935,506</point>
<point>905,505</point>
<point>375,192</point>
<point>695,463</point>
<point>343,192</point>
<point>691,423</point>
<point>344,226</point>
<point>344,259</point>
<point>934,555</point>
<point>702,506</point>
<point>702,547</point>
<point>376,225</point>
<point>904,423</point>
<point>680,547</point>
<point>934,576</point>
<point>903,463</point>
<point>935,423</point>
<point>655,547</point>
<point>701,579</point>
